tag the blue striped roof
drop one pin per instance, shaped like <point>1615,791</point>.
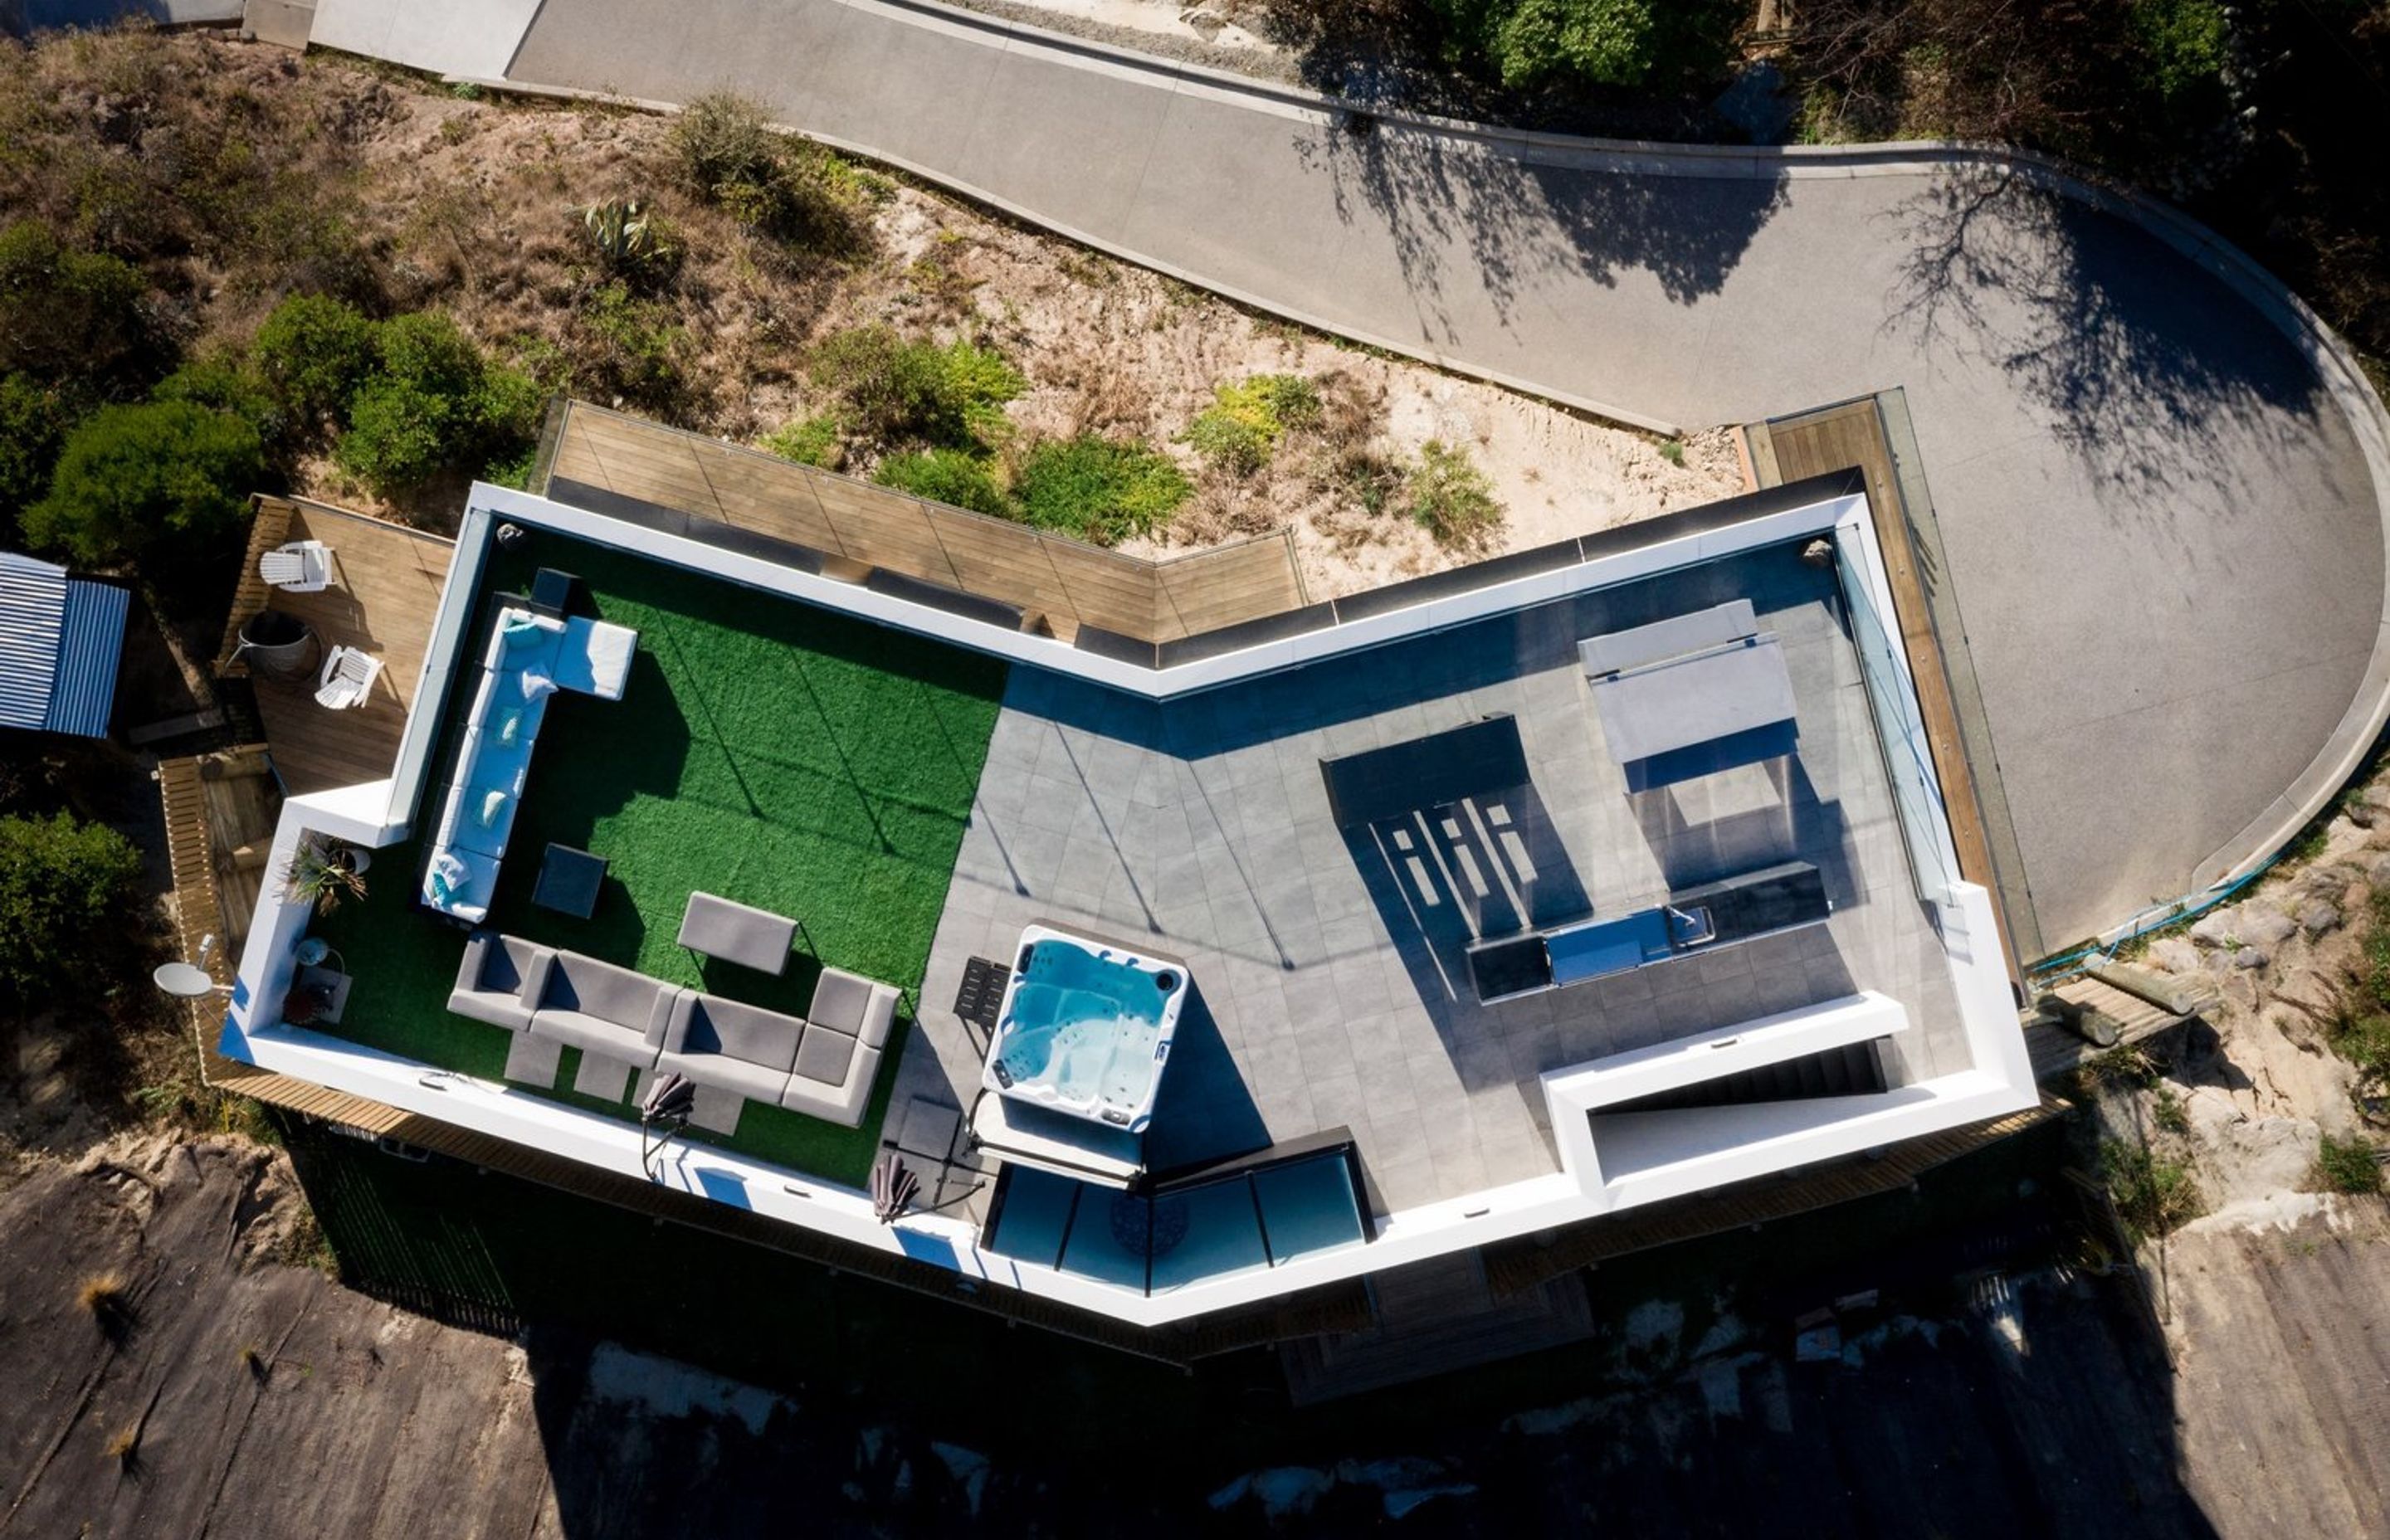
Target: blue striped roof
<point>32,618</point>
<point>60,639</point>
<point>94,640</point>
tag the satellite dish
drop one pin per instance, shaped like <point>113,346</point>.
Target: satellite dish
<point>181,979</point>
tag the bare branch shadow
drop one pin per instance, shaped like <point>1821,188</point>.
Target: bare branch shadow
<point>2128,356</point>
<point>1462,213</point>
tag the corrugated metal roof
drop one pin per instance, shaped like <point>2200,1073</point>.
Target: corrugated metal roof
<point>32,620</point>
<point>60,640</point>
<point>94,640</point>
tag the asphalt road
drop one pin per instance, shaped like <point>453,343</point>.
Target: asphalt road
<point>2162,532</point>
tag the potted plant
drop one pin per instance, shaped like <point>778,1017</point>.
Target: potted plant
<point>323,873</point>
<point>305,1002</point>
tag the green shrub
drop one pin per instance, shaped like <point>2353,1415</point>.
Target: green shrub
<point>313,352</point>
<point>1238,432</point>
<point>951,476</point>
<point>814,441</point>
<point>67,316</point>
<point>2363,1039</point>
<point>721,139</point>
<point>33,426</point>
<point>634,346</point>
<point>897,391</point>
<point>433,403</point>
<point>128,475</point>
<point>2183,43</point>
<point>1097,489</point>
<point>1528,42</point>
<point>2348,1165</point>
<point>65,887</point>
<point>787,188</point>
<point>1446,491</point>
<point>513,470</point>
<point>2153,1196</point>
<point>222,383</point>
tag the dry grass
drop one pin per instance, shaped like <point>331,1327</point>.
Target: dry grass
<point>426,200</point>
<point>103,1294</point>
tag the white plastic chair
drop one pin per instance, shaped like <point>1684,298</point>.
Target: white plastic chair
<point>302,567</point>
<point>348,678</point>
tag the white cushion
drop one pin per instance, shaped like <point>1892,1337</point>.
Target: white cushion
<point>596,657</point>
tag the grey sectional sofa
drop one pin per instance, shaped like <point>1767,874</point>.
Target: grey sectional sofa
<point>822,1065</point>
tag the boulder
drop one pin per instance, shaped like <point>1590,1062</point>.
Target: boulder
<point>2249,957</point>
<point>2377,871</point>
<point>2264,926</point>
<point>2216,927</point>
<point>2175,954</point>
<point>2316,917</point>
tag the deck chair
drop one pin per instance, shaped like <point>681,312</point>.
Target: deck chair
<point>348,678</point>
<point>302,567</point>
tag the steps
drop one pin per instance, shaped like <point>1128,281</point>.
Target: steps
<point>1852,1071</point>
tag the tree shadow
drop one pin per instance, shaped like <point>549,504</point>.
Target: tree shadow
<point>2122,345</point>
<point>1463,213</point>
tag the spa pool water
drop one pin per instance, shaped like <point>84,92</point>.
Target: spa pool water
<point>1086,1028</point>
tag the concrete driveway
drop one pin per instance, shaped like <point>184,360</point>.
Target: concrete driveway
<point>2161,525</point>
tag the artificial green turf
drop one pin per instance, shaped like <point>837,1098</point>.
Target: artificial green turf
<point>767,751</point>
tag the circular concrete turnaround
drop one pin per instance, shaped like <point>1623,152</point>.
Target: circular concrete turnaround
<point>2160,479</point>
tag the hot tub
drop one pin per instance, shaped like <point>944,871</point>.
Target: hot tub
<point>1085,1028</point>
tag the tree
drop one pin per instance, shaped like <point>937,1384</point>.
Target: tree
<point>65,316</point>
<point>129,475</point>
<point>1606,41</point>
<point>313,352</point>
<point>430,404</point>
<point>32,423</point>
<point>64,886</point>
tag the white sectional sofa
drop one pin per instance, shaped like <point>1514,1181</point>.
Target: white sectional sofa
<point>530,657</point>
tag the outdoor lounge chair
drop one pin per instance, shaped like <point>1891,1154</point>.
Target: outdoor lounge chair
<point>302,567</point>
<point>348,678</point>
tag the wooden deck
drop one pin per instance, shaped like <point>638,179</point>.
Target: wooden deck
<point>2058,1053</point>
<point>384,593</point>
<point>1836,438</point>
<point>1058,585</point>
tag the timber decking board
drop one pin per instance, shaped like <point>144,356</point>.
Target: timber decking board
<point>241,806</point>
<point>1067,583</point>
<point>267,524</point>
<point>1835,439</point>
<point>2058,1052</point>
<point>1205,590</point>
<point>386,585</point>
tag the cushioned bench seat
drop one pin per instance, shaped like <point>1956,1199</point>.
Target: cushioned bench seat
<point>729,1045</point>
<point>732,1052</point>
<point>530,657</point>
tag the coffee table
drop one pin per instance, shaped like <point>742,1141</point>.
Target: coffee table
<point>715,927</point>
<point>569,881</point>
